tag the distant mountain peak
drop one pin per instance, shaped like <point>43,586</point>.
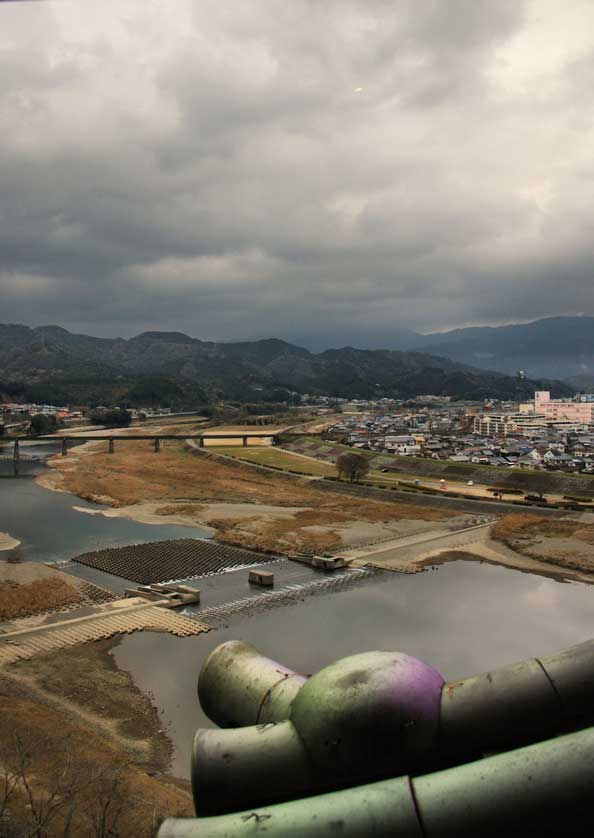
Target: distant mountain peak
<point>165,337</point>
<point>52,330</point>
<point>552,347</point>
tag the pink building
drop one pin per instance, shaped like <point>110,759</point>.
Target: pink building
<point>581,412</point>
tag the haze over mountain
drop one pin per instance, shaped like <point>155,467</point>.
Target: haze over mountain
<point>553,347</point>
<point>556,347</point>
<point>51,364</point>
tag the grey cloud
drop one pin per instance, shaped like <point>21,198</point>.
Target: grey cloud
<point>335,170</point>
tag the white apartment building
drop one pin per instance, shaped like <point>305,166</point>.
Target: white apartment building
<point>502,424</point>
<point>402,444</point>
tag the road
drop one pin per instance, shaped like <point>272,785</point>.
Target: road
<point>410,554</point>
<point>404,553</point>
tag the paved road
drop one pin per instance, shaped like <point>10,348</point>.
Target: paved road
<point>403,553</point>
<point>408,556</point>
<point>438,501</point>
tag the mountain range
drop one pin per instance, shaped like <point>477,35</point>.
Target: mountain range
<point>554,347</point>
<point>50,364</point>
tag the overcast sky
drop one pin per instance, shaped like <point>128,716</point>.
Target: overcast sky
<point>326,171</point>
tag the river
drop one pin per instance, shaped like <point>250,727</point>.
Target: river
<point>48,526</point>
<point>462,617</point>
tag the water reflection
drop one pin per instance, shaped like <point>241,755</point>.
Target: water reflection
<point>463,618</point>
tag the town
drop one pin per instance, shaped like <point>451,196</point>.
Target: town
<point>544,433</point>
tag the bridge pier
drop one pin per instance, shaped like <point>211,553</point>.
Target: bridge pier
<point>244,441</point>
<point>157,445</point>
<point>201,442</point>
<point>64,447</point>
<point>111,448</point>
<point>16,457</point>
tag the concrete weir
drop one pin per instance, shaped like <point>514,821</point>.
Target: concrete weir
<point>121,617</point>
<point>160,561</point>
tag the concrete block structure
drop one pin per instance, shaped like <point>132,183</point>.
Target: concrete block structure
<point>261,577</point>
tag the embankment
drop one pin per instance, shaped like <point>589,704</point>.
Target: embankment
<point>523,479</point>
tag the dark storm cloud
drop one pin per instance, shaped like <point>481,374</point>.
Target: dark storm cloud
<point>299,168</point>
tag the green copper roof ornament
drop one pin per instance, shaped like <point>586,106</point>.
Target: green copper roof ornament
<point>378,744</point>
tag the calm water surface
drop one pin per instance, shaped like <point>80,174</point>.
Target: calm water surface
<point>462,618</point>
<point>48,526</point>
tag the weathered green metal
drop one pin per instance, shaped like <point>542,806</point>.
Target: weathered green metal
<point>518,704</point>
<point>367,717</point>
<point>545,789</point>
<point>372,811</point>
<point>250,766</point>
<point>509,706</point>
<point>238,686</point>
<point>571,673</point>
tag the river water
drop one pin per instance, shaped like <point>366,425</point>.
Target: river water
<point>462,617</point>
<point>48,526</point>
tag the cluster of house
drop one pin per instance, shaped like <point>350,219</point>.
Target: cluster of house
<point>20,411</point>
<point>556,451</point>
<point>558,435</point>
<point>151,412</point>
<point>16,417</point>
<point>405,432</point>
<point>359,405</point>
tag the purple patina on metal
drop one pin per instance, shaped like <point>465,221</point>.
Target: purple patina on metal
<point>388,700</point>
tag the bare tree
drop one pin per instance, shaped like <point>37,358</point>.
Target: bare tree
<point>56,801</point>
<point>352,466</point>
<point>53,787</point>
<point>9,787</point>
<point>110,803</point>
<point>76,795</point>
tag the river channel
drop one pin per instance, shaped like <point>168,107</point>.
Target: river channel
<point>462,617</point>
<point>48,526</point>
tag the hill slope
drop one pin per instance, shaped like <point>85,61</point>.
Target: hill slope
<point>51,364</point>
<point>556,347</point>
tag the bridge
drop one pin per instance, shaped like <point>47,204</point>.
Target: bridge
<point>156,439</point>
<point>16,458</point>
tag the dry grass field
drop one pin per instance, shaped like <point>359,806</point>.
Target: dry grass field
<point>74,709</point>
<point>251,431</point>
<point>278,458</point>
<point>188,482</point>
<point>28,588</point>
<point>42,595</point>
<point>565,542</point>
